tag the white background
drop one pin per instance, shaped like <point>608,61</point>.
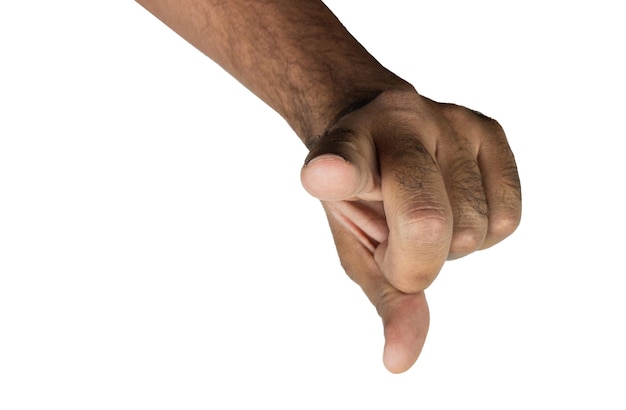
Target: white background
<point>158,252</point>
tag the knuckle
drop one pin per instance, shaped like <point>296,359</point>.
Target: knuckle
<point>424,240</point>
<point>466,241</point>
<point>504,222</point>
<point>426,226</point>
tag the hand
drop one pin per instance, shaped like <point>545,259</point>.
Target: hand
<point>407,183</point>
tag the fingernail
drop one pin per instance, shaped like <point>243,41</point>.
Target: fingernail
<point>324,157</point>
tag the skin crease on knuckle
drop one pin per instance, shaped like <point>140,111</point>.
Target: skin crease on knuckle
<point>501,225</point>
<point>466,240</point>
<point>415,254</point>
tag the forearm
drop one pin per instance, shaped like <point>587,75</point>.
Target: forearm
<point>293,54</point>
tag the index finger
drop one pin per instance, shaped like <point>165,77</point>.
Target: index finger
<point>418,214</point>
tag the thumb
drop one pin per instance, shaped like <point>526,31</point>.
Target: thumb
<point>340,165</point>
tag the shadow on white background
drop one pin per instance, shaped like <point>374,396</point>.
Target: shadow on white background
<point>157,250</point>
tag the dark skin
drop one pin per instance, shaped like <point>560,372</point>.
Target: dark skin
<point>406,182</point>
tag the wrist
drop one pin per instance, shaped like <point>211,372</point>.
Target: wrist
<point>313,112</point>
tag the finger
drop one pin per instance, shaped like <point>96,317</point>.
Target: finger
<point>340,165</point>
<point>405,317</point>
<point>418,214</point>
<point>502,185</point>
<point>406,320</point>
<point>467,197</point>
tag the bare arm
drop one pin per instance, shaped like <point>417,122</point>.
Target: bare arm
<point>295,55</point>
